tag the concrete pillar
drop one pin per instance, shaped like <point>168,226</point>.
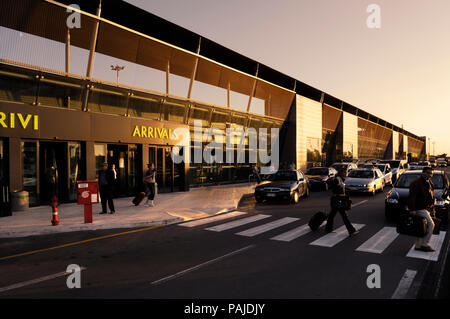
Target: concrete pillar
<point>91,170</point>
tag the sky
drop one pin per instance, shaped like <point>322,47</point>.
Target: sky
<point>399,72</point>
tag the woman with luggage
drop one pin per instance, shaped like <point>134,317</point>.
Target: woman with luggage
<point>340,203</point>
<point>150,184</point>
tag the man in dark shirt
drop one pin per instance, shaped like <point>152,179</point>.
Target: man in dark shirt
<point>421,203</point>
<point>339,194</point>
<point>106,183</point>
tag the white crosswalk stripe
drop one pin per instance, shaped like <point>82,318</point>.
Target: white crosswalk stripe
<point>435,242</point>
<point>237,223</point>
<point>380,241</point>
<point>331,239</point>
<point>293,234</point>
<point>266,227</point>
<point>209,220</point>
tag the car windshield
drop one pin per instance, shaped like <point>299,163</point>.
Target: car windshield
<point>317,171</point>
<point>405,180</point>
<point>366,166</point>
<point>423,163</point>
<point>284,176</point>
<point>393,164</point>
<point>361,174</point>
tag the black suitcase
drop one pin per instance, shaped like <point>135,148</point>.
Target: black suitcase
<point>412,225</point>
<point>138,199</point>
<point>316,220</point>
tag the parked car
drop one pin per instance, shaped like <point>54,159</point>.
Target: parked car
<point>396,201</point>
<point>288,185</point>
<point>397,167</point>
<point>413,166</point>
<point>320,177</point>
<point>433,163</point>
<point>364,180</point>
<point>442,163</point>
<point>372,160</point>
<point>348,166</point>
<point>387,173</point>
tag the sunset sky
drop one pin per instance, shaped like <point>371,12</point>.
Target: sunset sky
<point>399,72</point>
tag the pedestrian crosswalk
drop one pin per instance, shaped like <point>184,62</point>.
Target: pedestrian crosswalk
<point>376,244</point>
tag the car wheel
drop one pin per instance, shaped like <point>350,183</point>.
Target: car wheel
<point>307,192</point>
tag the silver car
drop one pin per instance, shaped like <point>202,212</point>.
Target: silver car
<point>386,171</point>
<point>364,181</point>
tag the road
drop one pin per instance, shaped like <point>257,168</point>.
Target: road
<point>267,253</point>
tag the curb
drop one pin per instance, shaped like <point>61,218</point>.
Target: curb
<point>84,227</point>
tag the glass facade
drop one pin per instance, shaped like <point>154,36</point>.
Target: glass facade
<point>30,176</point>
<point>373,139</point>
<point>75,169</point>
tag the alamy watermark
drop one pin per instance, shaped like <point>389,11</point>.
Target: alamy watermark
<point>374,279</point>
<point>222,149</point>
<point>74,19</point>
<point>374,19</point>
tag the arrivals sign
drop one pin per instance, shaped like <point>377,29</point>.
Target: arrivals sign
<point>154,132</point>
<point>13,120</point>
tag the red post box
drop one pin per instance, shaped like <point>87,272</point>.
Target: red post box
<point>87,194</point>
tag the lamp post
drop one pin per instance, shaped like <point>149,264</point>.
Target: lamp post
<point>117,69</point>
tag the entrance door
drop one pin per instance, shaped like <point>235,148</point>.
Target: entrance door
<point>169,176</point>
<point>118,155</point>
<point>127,165</point>
<point>53,171</point>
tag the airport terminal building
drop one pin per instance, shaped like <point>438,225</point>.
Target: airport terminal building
<point>114,83</point>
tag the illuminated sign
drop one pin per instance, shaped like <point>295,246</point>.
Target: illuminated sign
<point>18,120</point>
<point>154,132</point>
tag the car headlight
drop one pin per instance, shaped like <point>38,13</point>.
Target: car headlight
<point>392,201</point>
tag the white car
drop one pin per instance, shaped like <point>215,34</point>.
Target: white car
<point>386,171</point>
<point>364,180</point>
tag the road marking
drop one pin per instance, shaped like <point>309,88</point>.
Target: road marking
<point>237,223</point>
<point>331,239</point>
<point>211,219</point>
<point>405,284</point>
<point>178,274</point>
<point>266,227</point>
<point>293,234</point>
<point>360,203</point>
<point>78,242</point>
<point>35,281</point>
<point>380,241</point>
<point>435,242</point>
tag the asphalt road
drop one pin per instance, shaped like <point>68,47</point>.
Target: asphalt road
<point>196,262</point>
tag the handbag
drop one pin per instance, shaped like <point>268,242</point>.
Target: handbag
<point>412,225</point>
<point>341,202</point>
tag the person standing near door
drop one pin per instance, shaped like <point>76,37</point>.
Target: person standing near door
<point>150,184</point>
<point>106,186</point>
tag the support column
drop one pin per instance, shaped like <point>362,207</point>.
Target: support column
<point>253,89</point>
<point>194,71</point>
<point>68,51</point>
<point>93,42</point>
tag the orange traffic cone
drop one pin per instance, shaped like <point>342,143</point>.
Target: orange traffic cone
<point>55,219</point>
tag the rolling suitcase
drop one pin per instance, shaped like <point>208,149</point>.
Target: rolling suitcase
<point>138,199</point>
<point>316,220</point>
<point>410,225</point>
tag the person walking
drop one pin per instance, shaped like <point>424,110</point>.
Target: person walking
<point>255,173</point>
<point>150,184</point>
<point>106,187</point>
<point>338,197</point>
<point>421,203</point>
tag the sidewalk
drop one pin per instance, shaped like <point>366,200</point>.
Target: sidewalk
<point>169,208</point>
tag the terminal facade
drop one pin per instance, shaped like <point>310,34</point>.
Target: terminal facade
<point>61,118</point>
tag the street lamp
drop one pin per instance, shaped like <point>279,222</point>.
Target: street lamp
<point>117,69</point>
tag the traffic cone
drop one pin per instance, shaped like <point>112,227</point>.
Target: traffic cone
<point>55,219</point>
